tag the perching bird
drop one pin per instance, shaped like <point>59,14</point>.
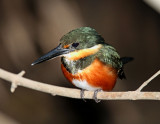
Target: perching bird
<point>87,61</point>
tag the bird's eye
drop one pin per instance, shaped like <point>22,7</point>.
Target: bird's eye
<point>75,45</point>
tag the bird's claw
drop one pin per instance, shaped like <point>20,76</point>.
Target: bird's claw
<point>95,95</point>
<point>82,95</point>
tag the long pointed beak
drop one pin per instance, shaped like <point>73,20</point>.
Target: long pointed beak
<point>52,54</point>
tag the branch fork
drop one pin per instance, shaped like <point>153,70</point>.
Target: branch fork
<point>14,82</point>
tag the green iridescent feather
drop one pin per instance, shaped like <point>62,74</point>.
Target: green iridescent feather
<point>88,37</point>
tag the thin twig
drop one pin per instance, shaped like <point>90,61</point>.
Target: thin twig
<point>75,93</point>
<point>147,81</point>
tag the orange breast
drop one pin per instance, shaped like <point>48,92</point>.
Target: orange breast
<point>97,74</point>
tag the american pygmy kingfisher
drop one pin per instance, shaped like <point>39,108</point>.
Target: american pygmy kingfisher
<point>87,61</point>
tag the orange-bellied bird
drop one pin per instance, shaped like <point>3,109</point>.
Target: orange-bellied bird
<point>87,61</point>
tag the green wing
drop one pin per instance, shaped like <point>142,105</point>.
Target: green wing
<point>109,55</point>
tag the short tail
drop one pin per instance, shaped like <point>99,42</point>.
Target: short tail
<point>124,60</point>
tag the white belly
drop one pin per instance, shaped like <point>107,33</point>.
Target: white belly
<point>83,84</point>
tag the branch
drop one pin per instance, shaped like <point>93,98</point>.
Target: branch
<point>17,80</point>
<point>147,81</point>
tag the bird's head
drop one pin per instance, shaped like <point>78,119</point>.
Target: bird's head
<point>76,44</point>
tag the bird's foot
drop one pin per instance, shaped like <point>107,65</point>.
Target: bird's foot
<point>82,95</point>
<point>95,95</point>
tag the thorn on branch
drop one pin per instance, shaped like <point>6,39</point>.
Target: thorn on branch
<point>21,73</point>
<point>14,83</point>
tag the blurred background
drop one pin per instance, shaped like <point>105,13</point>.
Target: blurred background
<point>30,28</point>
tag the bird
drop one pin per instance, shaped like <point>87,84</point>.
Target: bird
<point>87,61</point>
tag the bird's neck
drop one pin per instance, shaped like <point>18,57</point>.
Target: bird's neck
<point>78,65</point>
